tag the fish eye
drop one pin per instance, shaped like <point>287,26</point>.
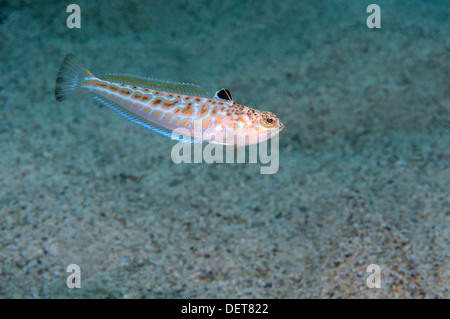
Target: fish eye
<point>268,122</point>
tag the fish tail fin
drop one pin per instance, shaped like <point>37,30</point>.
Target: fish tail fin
<point>71,77</point>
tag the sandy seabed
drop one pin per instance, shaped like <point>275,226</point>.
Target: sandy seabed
<point>364,172</point>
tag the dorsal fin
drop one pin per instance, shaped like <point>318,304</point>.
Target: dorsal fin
<point>153,84</point>
<point>224,95</point>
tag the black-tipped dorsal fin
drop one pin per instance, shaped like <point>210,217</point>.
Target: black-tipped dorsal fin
<point>223,95</point>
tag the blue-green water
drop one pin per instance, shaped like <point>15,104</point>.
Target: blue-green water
<point>364,160</point>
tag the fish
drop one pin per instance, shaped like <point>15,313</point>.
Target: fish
<point>164,106</point>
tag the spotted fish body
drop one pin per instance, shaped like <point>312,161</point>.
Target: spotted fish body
<point>165,106</point>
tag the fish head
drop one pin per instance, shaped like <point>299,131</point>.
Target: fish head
<point>257,126</point>
<point>266,125</point>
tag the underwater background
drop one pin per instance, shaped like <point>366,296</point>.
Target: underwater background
<point>364,174</point>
